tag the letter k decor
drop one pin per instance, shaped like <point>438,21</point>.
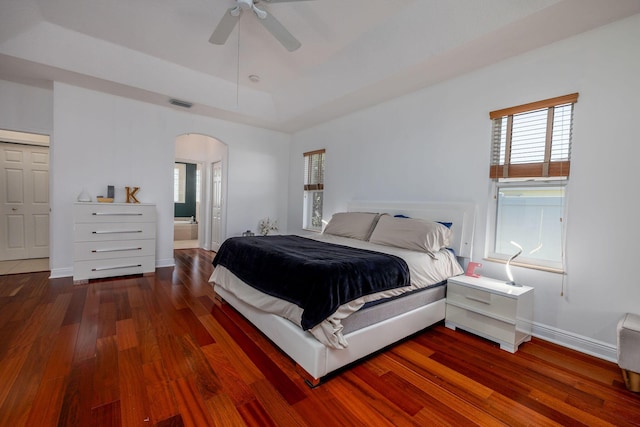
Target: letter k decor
<point>131,194</point>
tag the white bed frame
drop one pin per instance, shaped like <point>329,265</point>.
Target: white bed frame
<point>313,359</point>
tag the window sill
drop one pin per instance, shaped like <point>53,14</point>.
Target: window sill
<point>525,265</point>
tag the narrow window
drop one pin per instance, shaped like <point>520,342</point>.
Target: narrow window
<point>179,182</point>
<point>313,189</point>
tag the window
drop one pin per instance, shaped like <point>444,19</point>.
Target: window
<point>179,182</point>
<point>530,165</point>
<point>313,190</point>
<point>533,140</point>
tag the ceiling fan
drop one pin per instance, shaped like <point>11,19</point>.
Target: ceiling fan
<point>232,16</point>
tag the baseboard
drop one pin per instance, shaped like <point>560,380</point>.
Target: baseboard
<point>57,273</point>
<point>577,342</point>
<point>169,262</point>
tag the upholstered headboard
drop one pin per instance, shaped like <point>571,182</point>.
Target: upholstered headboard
<point>460,214</point>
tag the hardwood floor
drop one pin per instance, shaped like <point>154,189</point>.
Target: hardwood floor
<point>157,351</point>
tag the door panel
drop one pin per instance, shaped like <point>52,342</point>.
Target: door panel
<point>24,201</point>
<point>216,211</point>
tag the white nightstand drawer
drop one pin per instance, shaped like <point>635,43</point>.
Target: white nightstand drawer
<point>484,326</point>
<point>481,301</point>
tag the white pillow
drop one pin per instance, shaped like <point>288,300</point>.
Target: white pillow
<point>356,225</point>
<point>411,233</point>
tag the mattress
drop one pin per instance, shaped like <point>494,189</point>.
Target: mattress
<point>381,310</point>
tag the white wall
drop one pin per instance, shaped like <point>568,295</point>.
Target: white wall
<point>101,139</point>
<point>434,145</point>
<point>26,108</point>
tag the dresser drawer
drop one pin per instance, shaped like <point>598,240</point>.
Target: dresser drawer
<point>114,231</point>
<point>482,301</point>
<point>84,270</point>
<point>114,249</point>
<point>117,212</point>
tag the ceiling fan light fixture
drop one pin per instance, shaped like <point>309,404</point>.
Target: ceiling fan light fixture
<point>260,13</point>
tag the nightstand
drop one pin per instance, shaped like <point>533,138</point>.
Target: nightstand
<point>491,309</point>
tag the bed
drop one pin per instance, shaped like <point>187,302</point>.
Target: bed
<point>359,323</point>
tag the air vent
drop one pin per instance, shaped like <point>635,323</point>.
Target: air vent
<point>179,103</point>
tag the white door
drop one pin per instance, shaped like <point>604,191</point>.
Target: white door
<point>216,208</point>
<point>24,201</point>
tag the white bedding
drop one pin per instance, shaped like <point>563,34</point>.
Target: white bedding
<point>424,270</point>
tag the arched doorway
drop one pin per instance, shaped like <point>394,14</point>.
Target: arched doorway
<point>203,224</point>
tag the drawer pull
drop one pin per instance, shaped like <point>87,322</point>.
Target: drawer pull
<point>117,214</point>
<point>477,299</point>
<point>115,250</point>
<point>116,231</point>
<point>116,267</point>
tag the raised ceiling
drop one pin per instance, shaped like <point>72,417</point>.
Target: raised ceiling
<point>354,53</point>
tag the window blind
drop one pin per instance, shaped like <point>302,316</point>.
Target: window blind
<point>314,170</point>
<point>533,140</point>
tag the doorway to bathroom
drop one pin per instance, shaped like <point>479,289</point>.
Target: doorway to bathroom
<point>199,192</point>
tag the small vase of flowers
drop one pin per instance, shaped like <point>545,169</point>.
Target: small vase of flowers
<point>266,225</point>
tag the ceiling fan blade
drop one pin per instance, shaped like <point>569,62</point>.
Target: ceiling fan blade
<point>280,32</point>
<point>225,26</point>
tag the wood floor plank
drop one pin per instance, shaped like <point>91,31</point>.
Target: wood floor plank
<point>223,412</point>
<point>106,384</point>
<point>276,406</point>
<point>10,368</point>
<point>76,404</point>
<point>17,405</point>
<point>148,345</point>
<point>193,409</point>
<point>108,415</point>
<point>88,333</point>
<point>235,387</point>
<point>106,319</point>
<point>162,403</point>
<point>126,335</point>
<point>134,406</point>
<point>61,360</point>
<point>206,379</point>
<point>45,410</point>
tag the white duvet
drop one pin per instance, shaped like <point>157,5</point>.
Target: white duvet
<point>424,271</point>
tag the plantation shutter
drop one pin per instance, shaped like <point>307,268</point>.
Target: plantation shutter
<point>314,170</point>
<point>533,140</point>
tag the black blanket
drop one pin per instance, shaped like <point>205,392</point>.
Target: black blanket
<point>316,276</point>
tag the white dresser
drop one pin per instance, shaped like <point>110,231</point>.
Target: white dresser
<point>491,309</point>
<point>113,239</point>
